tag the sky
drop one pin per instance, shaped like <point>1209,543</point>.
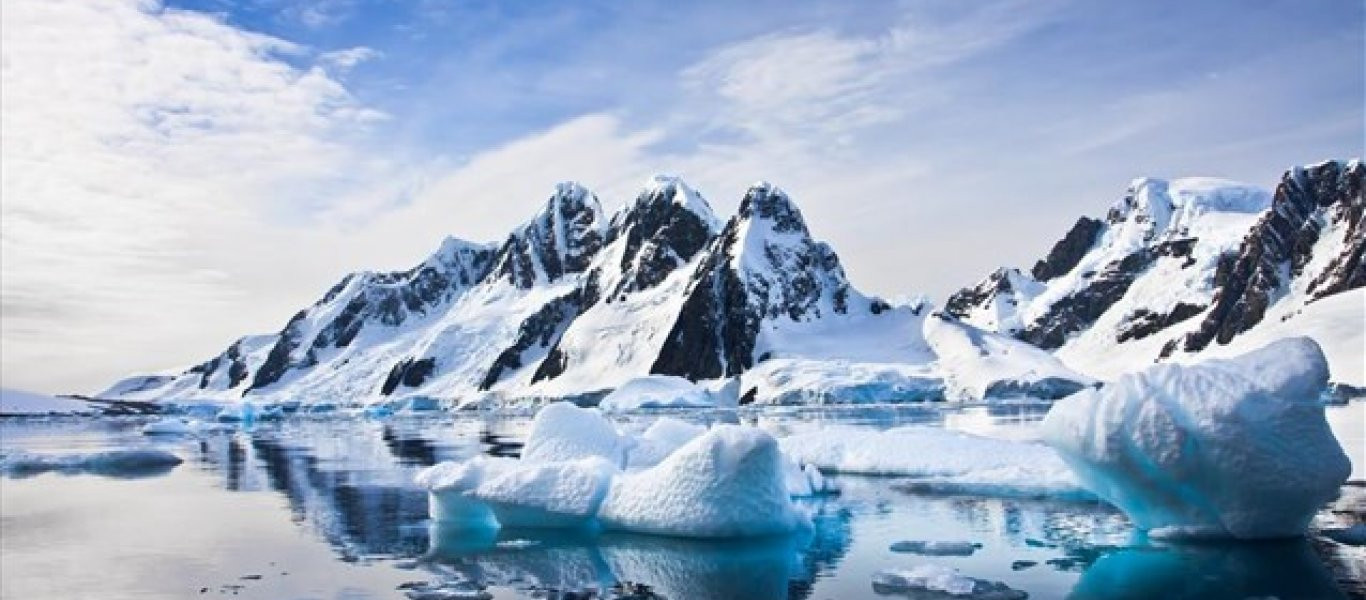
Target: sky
<point>175,174</point>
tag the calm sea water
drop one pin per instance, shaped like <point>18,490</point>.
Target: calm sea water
<point>325,508</point>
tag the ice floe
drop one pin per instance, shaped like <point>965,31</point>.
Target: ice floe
<point>947,581</point>
<point>109,463</point>
<point>562,431</point>
<point>939,460</point>
<point>935,548</point>
<point>1226,448</point>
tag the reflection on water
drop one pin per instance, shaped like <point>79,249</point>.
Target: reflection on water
<point>348,484</point>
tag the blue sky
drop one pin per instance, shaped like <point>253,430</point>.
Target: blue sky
<point>179,174</point>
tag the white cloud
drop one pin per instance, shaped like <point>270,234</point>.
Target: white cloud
<point>138,160</point>
<point>346,59</point>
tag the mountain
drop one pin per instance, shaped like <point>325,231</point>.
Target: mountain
<point>571,303</point>
<point>1178,267</point>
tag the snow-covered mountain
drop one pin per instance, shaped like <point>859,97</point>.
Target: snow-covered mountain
<point>571,303</point>
<point>1179,267</point>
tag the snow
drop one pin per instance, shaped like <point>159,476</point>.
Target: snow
<point>788,381</point>
<point>562,431</point>
<point>666,391</point>
<point>560,494</point>
<point>18,402</point>
<point>922,579</point>
<point>684,480</point>
<point>1334,322</point>
<point>659,440</point>
<point>979,364</point>
<point>1225,448</point>
<point>110,463</point>
<point>938,460</point>
<point>725,483</point>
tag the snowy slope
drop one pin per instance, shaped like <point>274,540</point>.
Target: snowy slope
<point>979,364</point>
<point>1177,266</point>
<point>17,402</point>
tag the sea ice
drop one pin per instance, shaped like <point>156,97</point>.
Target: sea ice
<point>938,578</point>
<point>1224,448</point>
<point>450,487</point>
<point>562,431</point>
<point>726,483</point>
<point>169,426</point>
<point>939,460</point>
<point>935,548</point>
<point>110,463</point>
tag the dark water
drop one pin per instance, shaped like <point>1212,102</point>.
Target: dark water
<point>326,509</point>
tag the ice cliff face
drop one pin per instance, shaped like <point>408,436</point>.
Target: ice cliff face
<point>1178,265</point>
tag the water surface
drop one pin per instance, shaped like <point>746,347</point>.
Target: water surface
<point>325,508</point>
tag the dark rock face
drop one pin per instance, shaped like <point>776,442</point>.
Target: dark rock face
<point>963,301</point>
<point>1081,309</point>
<point>1281,244</point>
<point>1069,250</point>
<point>660,236</point>
<point>236,365</point>
<point>542,328</point>
<point>408,373</point>
<point>717,328</point>
<point>387,299</point>
<point>1143,323</point>
<point>563,238</point>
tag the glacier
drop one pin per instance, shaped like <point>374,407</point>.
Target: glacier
<point>1233,448</point>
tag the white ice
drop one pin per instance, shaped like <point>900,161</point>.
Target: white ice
<point>1225,448</point>
<point>939,460</point>
<point>682,480</point>
<point>935,547</point>
<point>667,391</point>
<point>726,483</point>
<point>562,431</point>
<point>931,578</point>
<point>978,364</point>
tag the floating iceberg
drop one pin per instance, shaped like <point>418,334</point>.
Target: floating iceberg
<point>561,494</point>
<point>727,483</point>
<point>939,460</point>
<point>660,440</point>
<point>1225,448</point>
<point>110,463</point>
<point>946,581</point>
<point>562,431</point>
<point>667,391</point>
<point>730,481</point>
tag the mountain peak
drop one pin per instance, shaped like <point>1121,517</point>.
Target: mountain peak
<point>561,238</point>
<point>767,202</point>
<point>668,188</point>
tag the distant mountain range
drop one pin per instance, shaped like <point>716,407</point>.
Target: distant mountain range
<point>574,303</point>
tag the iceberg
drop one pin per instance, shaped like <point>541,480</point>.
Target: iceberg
<point>562,431</point>
<point>660,440</point>
<point>935,548</point>
<point>1225,448</point>
<point>726,483</point>
<point>563,494</point>
<point>939,581</point>
<point>939,461</point>
<point>668,391</point>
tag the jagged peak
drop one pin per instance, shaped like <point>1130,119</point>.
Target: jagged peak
<point>663,187</point>
<point>767,202</point>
